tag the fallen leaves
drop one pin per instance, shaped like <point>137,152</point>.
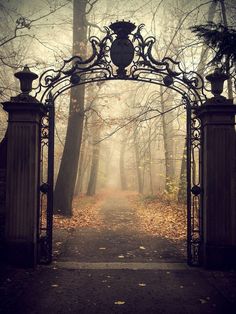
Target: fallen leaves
<point>157,217</point>
<point>85,214</point>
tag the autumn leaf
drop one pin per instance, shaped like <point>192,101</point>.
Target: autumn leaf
<point>119,302</point>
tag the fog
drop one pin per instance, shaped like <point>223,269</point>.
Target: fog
<point>136,146</point>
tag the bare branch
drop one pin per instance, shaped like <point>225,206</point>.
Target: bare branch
<point>91,6</point>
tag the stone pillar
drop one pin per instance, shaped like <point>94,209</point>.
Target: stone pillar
<point>23,157</point>
<point>3,167</point>
<point>219,209</point>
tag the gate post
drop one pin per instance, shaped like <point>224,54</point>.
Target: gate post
<point>23,157</point>
<point>3,166</point>
<point>217,116</point>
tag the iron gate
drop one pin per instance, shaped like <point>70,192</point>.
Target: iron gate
<point>142,67</point>
<point>46,186</point>
<point>194,188</point>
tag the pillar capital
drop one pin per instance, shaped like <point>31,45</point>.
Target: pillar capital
<point>22,104</point>
<point>216,105</point>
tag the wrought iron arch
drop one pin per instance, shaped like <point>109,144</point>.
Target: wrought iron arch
<point>123,54</point>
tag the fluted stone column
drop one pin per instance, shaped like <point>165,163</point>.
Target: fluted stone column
<point>22,179</point>
<point>219,209</point>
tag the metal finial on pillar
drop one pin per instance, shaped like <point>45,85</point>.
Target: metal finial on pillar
<point>217,79</point>
<point>26,77</point>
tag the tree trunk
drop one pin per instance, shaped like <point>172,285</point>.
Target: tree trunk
<point>182,194</point>
<point>150,161</point>
<point>66,179</point>
<point>81,169</point>
<point>84,162</point>
<point>94,166</point>
<point>138,165</point>
<point>204,53</point>
<point>94,171</point>
<point>123,180</point>
<point>229,80</point>
<point>167,125</point>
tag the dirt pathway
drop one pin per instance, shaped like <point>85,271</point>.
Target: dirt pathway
<point>119,239</point>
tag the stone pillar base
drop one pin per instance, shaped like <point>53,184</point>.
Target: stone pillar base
<point>219,257</point>
<point>21,254</point>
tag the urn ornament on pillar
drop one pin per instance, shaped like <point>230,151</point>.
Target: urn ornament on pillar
<point>217,79</point>
<point>26,78</point>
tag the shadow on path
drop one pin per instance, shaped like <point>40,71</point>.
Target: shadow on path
<point>88,277</point>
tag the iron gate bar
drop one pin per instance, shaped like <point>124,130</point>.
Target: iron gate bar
<point>46,187</point>
<point>51,109</point>
<point>143,68</point>
<point>194,188</point>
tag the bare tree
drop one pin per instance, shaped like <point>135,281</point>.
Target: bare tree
<point>65,184</point>
<point>123,179</point>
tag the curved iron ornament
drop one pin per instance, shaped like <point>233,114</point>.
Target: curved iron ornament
<point>135,61</point>
<point>144,67</point>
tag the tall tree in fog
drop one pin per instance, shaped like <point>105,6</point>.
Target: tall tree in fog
<point>182,194</point>
<point>66,179</point>
<point>138,160</point>
<point>96,128</point>
<point>96,131</point>
<point>123,179</point>
<point>168,132</point>
<point>23,24</point>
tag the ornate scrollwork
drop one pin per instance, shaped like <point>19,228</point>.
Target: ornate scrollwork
<point>99,66</point>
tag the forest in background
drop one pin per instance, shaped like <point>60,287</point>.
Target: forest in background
<point>113,134</point>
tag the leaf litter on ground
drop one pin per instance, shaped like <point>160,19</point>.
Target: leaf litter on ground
<point>156,216</point>
<point>85,214</point>
<point>160,217</point>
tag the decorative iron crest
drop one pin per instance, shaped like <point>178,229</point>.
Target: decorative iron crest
<point>122,53</point>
